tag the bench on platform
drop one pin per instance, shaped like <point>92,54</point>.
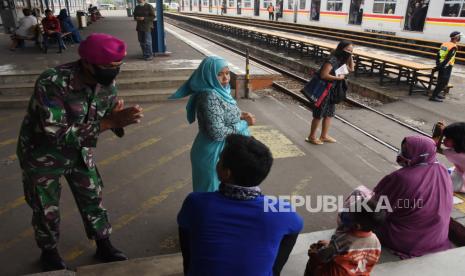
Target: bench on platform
<point>390,42</point>
<point>424,83</point>
<point>389,69</point>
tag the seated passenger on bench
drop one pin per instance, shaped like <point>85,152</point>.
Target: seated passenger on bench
<point>231,231</point>
<point>354,249</point>
<point>454,141</point>
<point>26,30</point>
<point>52,28</point>
<point>68,27</point>
<point>420,194</point>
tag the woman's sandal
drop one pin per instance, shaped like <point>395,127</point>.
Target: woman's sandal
<point>314,141</point>
<point>328,139</point>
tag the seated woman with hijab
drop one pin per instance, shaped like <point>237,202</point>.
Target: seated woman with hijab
<point>68,27</point>
<point>420,194</point>
<point>218,116</point>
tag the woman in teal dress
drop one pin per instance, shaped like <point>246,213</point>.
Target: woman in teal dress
<point>218,116</point>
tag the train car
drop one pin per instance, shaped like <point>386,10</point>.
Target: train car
<point>419,19</point>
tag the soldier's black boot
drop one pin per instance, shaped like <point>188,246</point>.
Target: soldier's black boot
<point>51,260</point>
<point>107,253</point>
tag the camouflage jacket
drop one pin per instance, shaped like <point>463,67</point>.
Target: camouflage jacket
<point>63,119</point>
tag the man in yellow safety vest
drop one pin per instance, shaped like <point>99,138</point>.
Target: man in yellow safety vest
<point>444,62</point>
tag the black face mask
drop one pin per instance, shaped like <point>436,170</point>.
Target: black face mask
<point>345,56</point>
<point>105,76</point>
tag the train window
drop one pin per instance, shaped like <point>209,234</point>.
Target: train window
<point>416,15</point>
<point>356,12</point>
<point>290,4</point>
<point>20,4</point>
<point>266,3</point>
<point>247,3</point>
<point>454,8</point>
<point>315,10</point>
<point>334,5</point>
<point>302,4</point>
<point>231,3</point>
<point>204,3</point>
<point>384,6</point>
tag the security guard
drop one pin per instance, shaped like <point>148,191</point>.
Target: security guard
<point>444,62</point>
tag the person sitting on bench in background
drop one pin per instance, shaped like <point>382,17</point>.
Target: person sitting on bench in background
<point>68,27</point>
<point>25,30</point>
<point>445,60</point>
<point>52,28</point>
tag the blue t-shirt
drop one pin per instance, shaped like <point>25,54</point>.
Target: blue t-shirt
<point>234,237</point>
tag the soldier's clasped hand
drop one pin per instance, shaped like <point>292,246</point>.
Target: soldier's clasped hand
<point>121,117</point>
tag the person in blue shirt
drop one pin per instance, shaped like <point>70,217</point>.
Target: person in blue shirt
<point>68,27</point>
<point>230,232</point>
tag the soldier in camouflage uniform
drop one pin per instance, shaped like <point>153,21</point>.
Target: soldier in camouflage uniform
<point>71,105</point>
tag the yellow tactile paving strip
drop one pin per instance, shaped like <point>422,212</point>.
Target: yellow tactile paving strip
<point>461,206</point>
<point>280,145</point>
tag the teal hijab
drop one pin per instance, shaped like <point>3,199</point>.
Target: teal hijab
<point>204,80</point>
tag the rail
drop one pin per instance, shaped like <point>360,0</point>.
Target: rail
<point>413,73</point>
<point>304,101</point>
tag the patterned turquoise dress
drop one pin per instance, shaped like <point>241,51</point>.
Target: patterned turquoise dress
<point>218,116</point>
<point>216,119</point>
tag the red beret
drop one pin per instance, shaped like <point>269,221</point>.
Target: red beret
<point>102,49</point>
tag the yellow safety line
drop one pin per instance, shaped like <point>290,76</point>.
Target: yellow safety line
<point>13,204</point>
<point>7,142</point>
<point>129,217</point>
<point>25,234</point>
<point>461,206</point>
<point>11,116</point>
<point>135,128</point>
<point>301,186</point>
<point>150,108</point>
<point>126,153</point>
<point>160,162</point>
<point>12,157</point>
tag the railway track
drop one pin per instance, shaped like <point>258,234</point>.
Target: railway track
<point>424,48</point>
<point>386,121</point>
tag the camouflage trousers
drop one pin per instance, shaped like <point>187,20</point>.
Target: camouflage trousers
<point>42,191</point>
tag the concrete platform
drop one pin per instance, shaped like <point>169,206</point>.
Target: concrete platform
<point>443,263</point>
<point>166,265</point>
<point>147,173</point>
<point>147,176</point>
<point>54,273</point>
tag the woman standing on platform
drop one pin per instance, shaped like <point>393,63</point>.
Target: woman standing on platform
<point>218,116</point>
<point>341,56</point>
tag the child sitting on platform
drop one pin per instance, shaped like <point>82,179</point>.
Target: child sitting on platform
<point>454,141</point>
<point>353,250</point>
